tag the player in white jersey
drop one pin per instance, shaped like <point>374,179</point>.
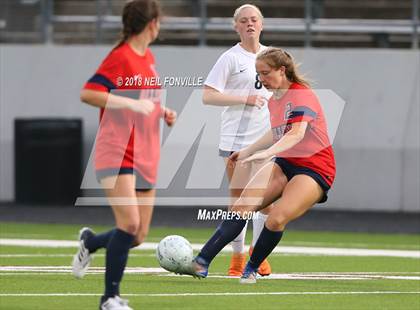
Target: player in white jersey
<point>233,83</point>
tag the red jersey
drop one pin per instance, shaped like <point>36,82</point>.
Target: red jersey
<point>314,151</point>
<point>127,139</point>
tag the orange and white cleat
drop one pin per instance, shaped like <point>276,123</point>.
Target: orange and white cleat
<point>265,268</point>
<point>237,264</point>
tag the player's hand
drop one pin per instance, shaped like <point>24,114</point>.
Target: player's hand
<point>256,100</point>
<point>239,155</point>
<point>258,157</point>
<point>143,106</point>
<point>169,116</point>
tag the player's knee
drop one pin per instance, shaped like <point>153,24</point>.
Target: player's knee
<point>245,206</point>
<point>239,207</point>
<point>277,223</point>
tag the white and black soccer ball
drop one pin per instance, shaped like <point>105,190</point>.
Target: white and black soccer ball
<point>174,253</point>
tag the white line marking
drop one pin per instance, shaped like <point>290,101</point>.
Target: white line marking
<point>353,245</point>
<point>280,249</point>
<point>208,294</point>
<point>330,277</point>
<point>68,269</point>
<point>223,254</point>
<point>64,255</point>
<point>28,270</point>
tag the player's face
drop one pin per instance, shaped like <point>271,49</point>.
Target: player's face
<point>248,24</point>
<point>269,77</point>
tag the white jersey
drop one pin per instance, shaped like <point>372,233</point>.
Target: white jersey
<point>234,74</point>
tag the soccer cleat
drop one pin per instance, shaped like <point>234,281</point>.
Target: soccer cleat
<point>265,268</point>
<point>82,258</point>
<point>199,268</point>
<point>114,303</point>
<point>249,276</point>
<point>237,264</point>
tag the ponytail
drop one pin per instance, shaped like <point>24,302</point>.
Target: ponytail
<point>135,17</point>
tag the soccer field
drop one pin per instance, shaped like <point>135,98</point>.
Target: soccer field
<point>316,270</point>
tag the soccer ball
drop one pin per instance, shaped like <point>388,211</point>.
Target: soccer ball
<point>174,253</point>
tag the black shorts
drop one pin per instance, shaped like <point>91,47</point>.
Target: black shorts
<point>141,184</point>
<point>291,170</point>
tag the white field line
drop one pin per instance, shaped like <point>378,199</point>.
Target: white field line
<point>353,245</point>
<point>103,255</point>
<point>68,269</point>
<point>348,244</point>
<point>66,255</point>
<point>210,294</point>
<point>28,270</point>
<point>280,249</point>
<point>223,254</point>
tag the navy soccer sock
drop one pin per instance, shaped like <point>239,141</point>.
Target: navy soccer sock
<point>265,244</point>
<point>225,233</point>
<point>99,241</point>
<point>116,260</point>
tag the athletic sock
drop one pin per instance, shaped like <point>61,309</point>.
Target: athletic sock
<point>238,244</point>
<point>257,226</point>
<point>99,241</point>
<point>116,260</point>
<point>266,243</point>
<point>225,233</point>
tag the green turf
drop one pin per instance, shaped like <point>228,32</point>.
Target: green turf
<point>42,283</point>
<point>149,284</point>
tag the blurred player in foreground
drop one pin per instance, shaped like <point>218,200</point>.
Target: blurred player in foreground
<point>299,175</point>
<point>233,83</point>
<point>127,147</point>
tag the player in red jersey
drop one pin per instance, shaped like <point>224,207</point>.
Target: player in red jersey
<point>300,174</point>
<point>127,147</point>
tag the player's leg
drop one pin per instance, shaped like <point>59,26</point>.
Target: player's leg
<point>145,200</point>
<point>238,176</point>
<point>123,200</point>
<point>264,188</point>
<point>258,223</point>
<point>89,242</point>
<point>298,196</point>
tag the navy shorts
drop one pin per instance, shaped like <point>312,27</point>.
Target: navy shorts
<point>141,184</point>
<point>291,170</point>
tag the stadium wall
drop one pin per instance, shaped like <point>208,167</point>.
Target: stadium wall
<point>377,143</point>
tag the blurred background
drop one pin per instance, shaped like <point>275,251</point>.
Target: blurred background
<point>317,23</point>
<point>367,52</point>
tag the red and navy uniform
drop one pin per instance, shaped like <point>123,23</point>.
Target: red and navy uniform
<point>314,151</point>
<point>128,140</point>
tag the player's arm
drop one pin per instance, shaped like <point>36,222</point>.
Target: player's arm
<point>107,100</point>
<point>261,144</point>
<point>289,140</point>
<point>212,96</point>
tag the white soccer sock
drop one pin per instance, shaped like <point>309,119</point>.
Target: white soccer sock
<point>238,244</point>
<point>257,226</point>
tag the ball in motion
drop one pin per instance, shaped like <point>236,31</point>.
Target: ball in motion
<point>174,253</point>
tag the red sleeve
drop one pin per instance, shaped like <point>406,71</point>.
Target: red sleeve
<point>305,107</point>
<point>109,74</point>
